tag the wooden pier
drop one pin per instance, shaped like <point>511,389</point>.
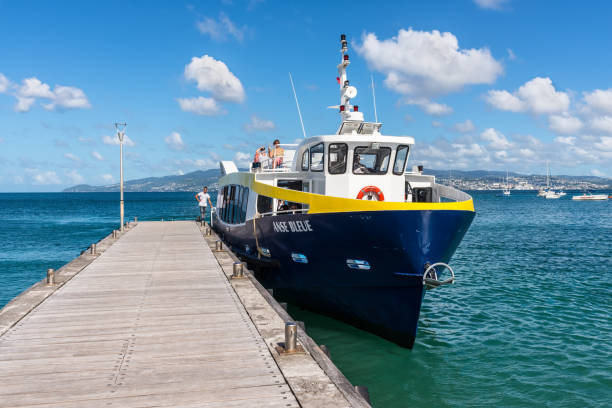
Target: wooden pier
<point>155,319</point>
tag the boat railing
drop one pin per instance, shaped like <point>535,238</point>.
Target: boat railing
<point>282,164</point>
<point>448,193</point>
<point>281,212</point>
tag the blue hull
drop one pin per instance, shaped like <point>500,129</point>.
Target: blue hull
<point>386,298</point>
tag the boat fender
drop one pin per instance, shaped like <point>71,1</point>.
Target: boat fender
<point>371,192</point>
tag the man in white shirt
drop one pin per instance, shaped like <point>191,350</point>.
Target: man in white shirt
<point>203,200</point>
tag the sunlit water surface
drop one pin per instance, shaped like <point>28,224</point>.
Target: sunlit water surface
<point>528,323</point>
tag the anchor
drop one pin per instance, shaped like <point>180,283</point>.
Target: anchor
<point>431,278</point>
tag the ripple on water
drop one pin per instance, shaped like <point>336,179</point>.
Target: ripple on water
<point>528,322</point>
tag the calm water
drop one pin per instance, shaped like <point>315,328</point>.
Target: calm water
<point>529,322</point>
<point>46,230</point>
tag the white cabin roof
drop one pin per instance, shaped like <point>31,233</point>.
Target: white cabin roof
<point>355,139</point>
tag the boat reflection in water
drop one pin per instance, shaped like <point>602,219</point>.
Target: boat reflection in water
<point>338,225</point>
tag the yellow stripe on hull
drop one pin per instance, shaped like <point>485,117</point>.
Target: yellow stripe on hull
<point>318,203</point>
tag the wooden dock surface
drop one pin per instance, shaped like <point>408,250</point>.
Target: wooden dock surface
<point>153,321</point>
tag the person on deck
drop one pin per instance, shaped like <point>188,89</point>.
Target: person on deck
<point>203,200</point>
<point>276,154</point>
<point>260,154</point>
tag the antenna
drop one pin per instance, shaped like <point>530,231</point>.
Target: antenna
<point>297,104</point>
<point>374,98</point>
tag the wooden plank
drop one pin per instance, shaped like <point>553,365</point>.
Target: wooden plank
<point>151,321</point>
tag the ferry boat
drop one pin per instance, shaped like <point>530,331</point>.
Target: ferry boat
<point>341,227</point>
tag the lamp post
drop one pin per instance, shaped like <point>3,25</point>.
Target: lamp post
<point>121,134</point>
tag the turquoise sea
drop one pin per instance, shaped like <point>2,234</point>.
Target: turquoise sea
<point>528,323</point>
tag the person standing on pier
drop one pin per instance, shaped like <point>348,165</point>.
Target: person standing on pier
<point>203,200</point>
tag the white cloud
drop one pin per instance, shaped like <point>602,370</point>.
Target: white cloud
<point>599,100</point>
<point>469,149</point>
<point>257,124</point>
<point>44,177</point>
<point>540,96</point>
<point>74,176</point>
<point>598,173</point>
<point>432,151</point>
<point>464,127</point>
<point>496,139</point>
<point>24,104</point>
<point>491,4</point>
<point>427,63</point>
<point>72,157</point>
<point>5,84</point>
<point>200,106</point>
<point>86,140</point>
<point>108,178</point>
<point>524,152</point>
<point>221,29</point>
<point>564,124</point>
<point>527,153</point>
<point>504,100</point>
<point>62,97</point>
<point>429,107</point>
<point>205,163</point>
<point>174,141</point>
<point>114,140</point>
<point>68,97</point>
<point>537,96</point>
<point>602,124</point>
<point>215,77</point>
<point>34,88</point>
<point>242,159</point>
<point>529,140</point>
<point>97,156</point>
<point>436,123</point>
<point>511,55</point>
<point>605,144</point>
<point>568,140</point>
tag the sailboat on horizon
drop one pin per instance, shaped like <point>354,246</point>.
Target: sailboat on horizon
<point>507,189</point>
<point>551,194</point>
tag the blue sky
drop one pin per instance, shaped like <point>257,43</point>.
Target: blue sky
<point>483,84</point>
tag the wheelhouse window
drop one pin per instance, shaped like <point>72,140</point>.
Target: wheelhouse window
<point>305,161</point>
<point>371,160</point>
<point>337,158</point>
<point>400,159</point>
<point>316,157</point>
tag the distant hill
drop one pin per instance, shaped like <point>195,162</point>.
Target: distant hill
<point>195,180</point>
<point>486,175</point>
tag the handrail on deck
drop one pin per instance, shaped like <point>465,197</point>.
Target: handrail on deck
<point>272,213</point>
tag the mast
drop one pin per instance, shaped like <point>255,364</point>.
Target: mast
<point>347,92</point>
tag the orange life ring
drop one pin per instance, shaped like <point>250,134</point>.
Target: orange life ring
<point>369,192</point>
